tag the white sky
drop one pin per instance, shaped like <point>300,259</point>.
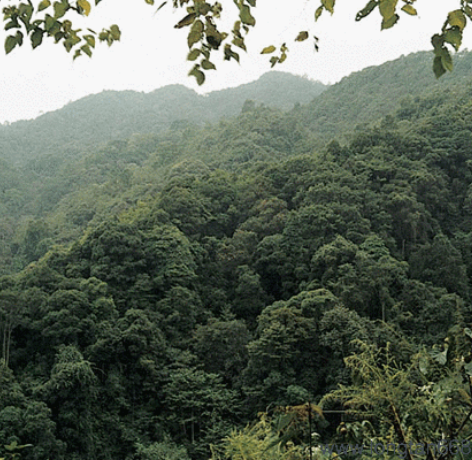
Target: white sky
<point>152,53</point>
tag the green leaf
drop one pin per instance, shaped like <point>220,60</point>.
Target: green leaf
<point>198,26</point>
<point>446,60</point>
<point>193,55</point>
<point>282,421</point>
<point>149,2</point>
<point>12,25</point>
<point>454,37</point>
<point>86,49</point>
<point>468,11</point>
<point>388,23</point>
<point>439,356</point>
<point>468,369</point>
<point>408,9</point>
<point>59,36</point>
<point>59,9</point>
<point>186,21</point>
<point>37,38</point>
<point>19,38</point>
<point>85,6</point>
<point>44,4</point>
<point>468,332</point>
<point>207,65</point>
<point>49,22</point>
<point>26,11</point>
<point>456,18</point>
<point>90,39</point>
<point>11,447</point>
<point>230,54</point>
<point>302,36</point>
<point>246,17</point>
<point>198,74</point>
<point>115,32</point>
<point>213,37</point>
<point>161,6</point>
<point>203,8</point>
<point>193,37</point>
<point>239,42</point>
<point>387,10</point>
<point>10,43</point>
<point>318,12</point>
<point>268,49</point>
<point>437,42</point>
<point>366,10</point>
<point>329,5</point>
<point>196,33</point>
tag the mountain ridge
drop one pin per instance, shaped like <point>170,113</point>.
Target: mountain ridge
<point>96,119</point>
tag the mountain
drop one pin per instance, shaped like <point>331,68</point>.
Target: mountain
<point>205,275</point>
<point>96,119</point>
<point>370,94</point>
<point>82,164</point>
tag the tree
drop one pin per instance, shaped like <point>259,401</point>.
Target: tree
<point>260,440</point>
<point>409,402</point>
<point>205,36</point>
<point>287,351</point>
<point>12,312</point>
<point>221,345</point>
<point>71,392</point>
<point>198,406</point>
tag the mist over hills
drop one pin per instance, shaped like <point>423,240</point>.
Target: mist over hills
<point>327,111</point>
<point>109,115</point>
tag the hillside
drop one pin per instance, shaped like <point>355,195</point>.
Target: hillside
<point>72,183</point>
<point>99,118</point>
<point>210,277</point>
<point>368,95</point>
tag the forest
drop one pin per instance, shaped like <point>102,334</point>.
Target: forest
<point>276,268</point>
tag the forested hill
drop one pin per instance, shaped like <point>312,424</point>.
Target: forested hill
<point>367,96</point>
<point>99,118</point>
<point>179,284</point>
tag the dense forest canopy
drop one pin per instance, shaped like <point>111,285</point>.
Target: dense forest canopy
<point>201,291</point>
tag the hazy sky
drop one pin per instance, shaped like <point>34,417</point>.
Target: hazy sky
<point>152,53</point>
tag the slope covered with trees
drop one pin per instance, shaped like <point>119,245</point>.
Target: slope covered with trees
<point>371,94</point>
<point>110,115</point>
<point>214,273</point>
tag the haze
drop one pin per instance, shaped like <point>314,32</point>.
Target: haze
<point>152,53</point>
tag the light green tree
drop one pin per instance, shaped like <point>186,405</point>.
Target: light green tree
<point>402,397</point>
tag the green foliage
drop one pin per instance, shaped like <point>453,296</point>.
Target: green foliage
<point>416,399</point>
<point>161,451</point>
<point>205,36</point>
<point>190,278</point>
<point>257,441</point>
<point>212,341</point>
<point>12,451</point>
<point>198,406</point>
